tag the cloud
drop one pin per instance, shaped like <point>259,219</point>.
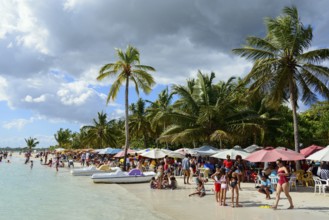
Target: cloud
<point>17,124</point>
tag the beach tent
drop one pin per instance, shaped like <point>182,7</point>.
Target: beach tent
<point>310,150</point>
<point>321,155</point>
<point>232,152</point>
<point>109,151</point>
<point>270,154</point>
<point>252,148</point>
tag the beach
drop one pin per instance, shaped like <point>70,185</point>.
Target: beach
<point>62,195</point>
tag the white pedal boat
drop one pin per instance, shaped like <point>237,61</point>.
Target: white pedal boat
<point>133,176</point>
<point>88,171</point>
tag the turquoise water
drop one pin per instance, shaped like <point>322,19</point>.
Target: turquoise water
<point>42,193</point>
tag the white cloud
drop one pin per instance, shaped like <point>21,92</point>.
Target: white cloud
<point>17,124</point>
<point>3,88</point>
<point>29,98</point>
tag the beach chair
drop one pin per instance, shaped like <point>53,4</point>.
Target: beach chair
<point>274,181</point>
<point>308,179</point>
<point>293,182</point>
<point>319,185</point>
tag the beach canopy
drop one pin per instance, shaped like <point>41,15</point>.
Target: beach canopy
<point>310,150</point>
<point>59,149</point>
<point>252,148</point>
<point>270,154</point>
<point>232,153</point>
<point>321,155</point>
<point>109,151</point>
<point>122,153</point>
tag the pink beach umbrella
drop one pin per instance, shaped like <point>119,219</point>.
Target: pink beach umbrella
<point>122,153</point>
<point>270,154</point>
<point>310,150</point>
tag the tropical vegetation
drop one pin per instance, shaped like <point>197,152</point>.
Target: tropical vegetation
<point>262,108</point>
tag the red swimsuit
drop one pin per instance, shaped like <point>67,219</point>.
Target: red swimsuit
<point>282,179</point>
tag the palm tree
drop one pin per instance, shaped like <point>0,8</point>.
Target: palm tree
<point>284,68</point>
<point>101,134</point>
<point>127,68</point>
<point>63,137</point>
<point>31,142</point>
<point>139,125</point>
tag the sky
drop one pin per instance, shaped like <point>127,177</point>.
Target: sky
<point>51,52</point>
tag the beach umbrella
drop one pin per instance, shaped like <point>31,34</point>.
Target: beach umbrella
<point>206,148</point>
<point>155,153</point>
<point>185,151</point>
<point>144,150</point>
<point>321,155</point>
<point>270,154</point>
<point>252,148</point>
<point>284,148</point>
<point>109,151</point>
<point>59,149</point>
<point>173,154</point>
<point>207,152</point>
<point>122,153</point>
<point>310,150</point>
<point>232,153</point>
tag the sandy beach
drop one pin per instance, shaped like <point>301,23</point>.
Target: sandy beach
<point>176,204</point>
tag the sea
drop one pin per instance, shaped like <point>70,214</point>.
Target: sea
<point>43,193</point>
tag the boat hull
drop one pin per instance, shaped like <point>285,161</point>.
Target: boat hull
<point>108,178</point>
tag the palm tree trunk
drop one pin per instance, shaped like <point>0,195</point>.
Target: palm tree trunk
<point>126,123</point>
<point>293,102</point>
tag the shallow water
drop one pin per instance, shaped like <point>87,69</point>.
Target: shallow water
<point>42,193</point>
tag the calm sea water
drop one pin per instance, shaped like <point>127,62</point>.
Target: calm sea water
<point>41,193</point>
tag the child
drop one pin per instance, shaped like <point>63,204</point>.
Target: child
<point>223,187</point>
<point>233,177</point>
<point>31,164</point>
<point>173,182</point>
<point>153,183</point>
<point>201,191</point>
<point>265,187</point>
<point>216,177</point>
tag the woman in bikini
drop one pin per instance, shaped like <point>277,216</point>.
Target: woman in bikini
<point>233,177</point>
<point>283,184</point>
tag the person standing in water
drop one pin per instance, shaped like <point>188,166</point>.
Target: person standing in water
<point>283,184</point>
<point>31,164</point>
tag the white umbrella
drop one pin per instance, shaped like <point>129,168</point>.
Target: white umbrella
<point>253,148</point>
<point>155,153</point>
<point>185,151</point>
<point>321,155</point>
<point>59,149</point>
<point>232,153</point>
<point>207,152</point>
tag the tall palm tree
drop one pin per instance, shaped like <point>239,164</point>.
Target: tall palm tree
<point>101,134</point>
<point>284,68</point>
<point>127,68</point>
<point>31,142</point>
